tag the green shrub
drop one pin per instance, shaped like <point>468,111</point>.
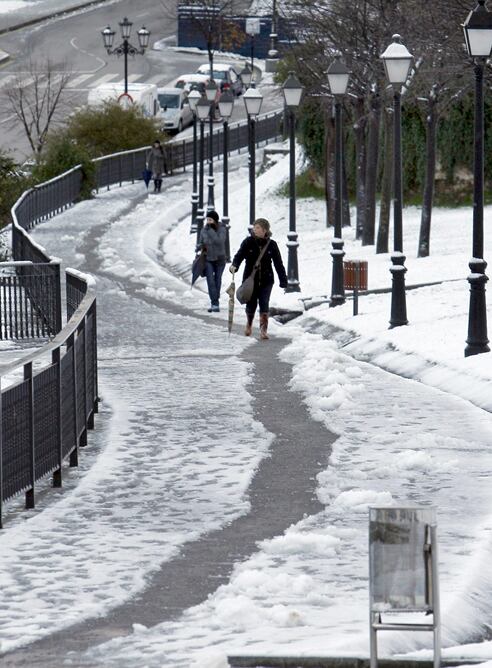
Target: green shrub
<point>12,184</point>
<point>109,128</point>
<point>60,154</point>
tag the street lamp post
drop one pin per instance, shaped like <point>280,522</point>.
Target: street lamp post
<point>211,92</point>
<point>193,98</point>
<point>226,105</point>
<point>338,78</point>
<point>246,75</point>
<point>292,91</point>
<point>397,62</point>
<point>202,110</point>
<point>125,48</point>
<point>478,37</point>
<point>252,101</point>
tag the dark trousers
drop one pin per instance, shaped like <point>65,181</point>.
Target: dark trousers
<point>214,270</point>
<point>261,296</point>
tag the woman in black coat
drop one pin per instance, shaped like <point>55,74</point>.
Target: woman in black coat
<point>249,251</point>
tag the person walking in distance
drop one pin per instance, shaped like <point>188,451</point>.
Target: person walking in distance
<point>249,251</point>
<point>213,239</point>
<point>156,162</point>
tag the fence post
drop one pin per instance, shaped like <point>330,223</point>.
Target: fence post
<point>30,492</point>
<point>184,155</point>
<point>74,458</point>
<point>1,457</point>
<point>133,167</point>
<point>58,299</point>
<point>56,360</point>
<point>81,331</point>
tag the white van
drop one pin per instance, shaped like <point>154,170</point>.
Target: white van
<point>175,110</point>
<point>142,94</point>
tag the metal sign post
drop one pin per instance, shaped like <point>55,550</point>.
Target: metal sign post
<point>403,579</point>
<point>252,28</point>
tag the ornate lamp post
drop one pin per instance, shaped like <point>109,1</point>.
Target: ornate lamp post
<point>193,98</point>
<point>226,105</point>
<point>252,101</point>
<point>246,75</point>
<point>478,37</point>
<point>397,62</point>
<point>202,110</point>
<point>125,48</point>
<point>211,92</point>
<point>338,78</point>
<point>292,90</point>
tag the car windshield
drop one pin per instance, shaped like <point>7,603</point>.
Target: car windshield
<point>169,100</point>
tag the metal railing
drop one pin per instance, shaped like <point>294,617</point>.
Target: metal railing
<point>45,415</point>
<point>30,303</point>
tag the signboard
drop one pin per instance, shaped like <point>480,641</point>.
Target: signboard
<point>125,100</point>
<point>403,574</point>
<point>252,26</point>
<point>400,559</point>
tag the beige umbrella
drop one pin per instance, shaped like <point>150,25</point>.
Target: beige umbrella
<point>231,291</point>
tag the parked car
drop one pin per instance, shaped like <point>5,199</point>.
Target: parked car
<point>189,82</point>
<point>174,109</point>
<point>225,76</point>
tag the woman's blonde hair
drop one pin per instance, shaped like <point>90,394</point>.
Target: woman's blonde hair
<point>263,222</point>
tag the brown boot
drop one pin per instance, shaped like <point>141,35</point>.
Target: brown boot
<point>264,326</point>
<point>249,324</point>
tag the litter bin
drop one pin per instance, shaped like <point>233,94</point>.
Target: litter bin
<point>355,278</point>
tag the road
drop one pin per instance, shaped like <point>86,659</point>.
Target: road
<point>75,43</point>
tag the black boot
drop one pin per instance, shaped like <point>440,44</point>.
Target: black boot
<point>159,184</point>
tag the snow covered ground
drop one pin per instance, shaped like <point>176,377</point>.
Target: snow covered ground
<point>401,441</point>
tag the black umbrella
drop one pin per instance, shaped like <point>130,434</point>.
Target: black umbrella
<point>198,266</point>
<point>147,175</point>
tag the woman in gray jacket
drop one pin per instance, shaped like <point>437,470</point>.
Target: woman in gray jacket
<point>213,238</point>
<point>156,162</point>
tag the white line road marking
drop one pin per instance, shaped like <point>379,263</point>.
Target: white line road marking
<point>104,79</point>
<point>80,79</point>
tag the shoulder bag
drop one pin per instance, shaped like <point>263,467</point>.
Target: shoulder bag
<point>245,290</point>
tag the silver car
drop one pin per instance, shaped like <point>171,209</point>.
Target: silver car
<point>175,112</point>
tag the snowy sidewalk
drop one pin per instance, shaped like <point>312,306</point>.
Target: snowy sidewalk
<point>182,434</point>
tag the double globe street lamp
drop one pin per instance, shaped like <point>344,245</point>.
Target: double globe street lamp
<point>338,78</point>
<point>193,98</point>
<point>226,106</point>
<point>478,37</point>
<point>211,93</point>
<point>397,62</point>
<point>125,48</point>
<point>292,90</point>
<point>252,101</point>
<point>202,110</point>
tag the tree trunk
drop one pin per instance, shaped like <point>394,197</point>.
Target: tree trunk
<point>329,168</point>
<point>430,174</point>
<point>345,197</point>
<point>386,186</point>
<point>369,230</point>
<point>360,153</point>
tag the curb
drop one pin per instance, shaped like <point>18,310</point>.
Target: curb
<point>46,17</point>
<point>335,662</point>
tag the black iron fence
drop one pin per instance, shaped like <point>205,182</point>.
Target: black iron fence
<point>30,303</point>
<point>51,396</point>
<point>45,415</point>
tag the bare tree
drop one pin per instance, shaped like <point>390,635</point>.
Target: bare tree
<point>34,99</point>
<point>211,21</point>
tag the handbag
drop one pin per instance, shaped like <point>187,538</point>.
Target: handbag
<point>198,268</point>
<point>245,290</point>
